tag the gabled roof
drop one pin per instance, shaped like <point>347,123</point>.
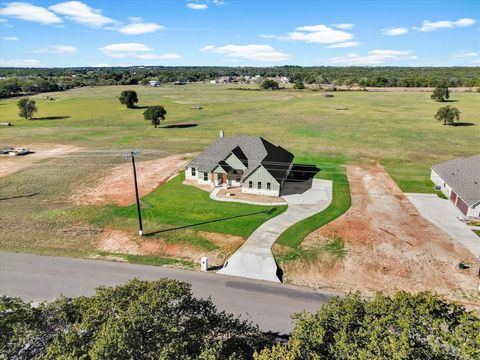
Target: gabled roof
<point>463,176</point>
<point>251,150</point>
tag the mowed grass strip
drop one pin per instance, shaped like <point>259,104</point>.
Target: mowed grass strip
<point>333,170</point>
<point>175,206</point>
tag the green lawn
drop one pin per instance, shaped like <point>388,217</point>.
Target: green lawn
<point>331,170</point>
<point>395,129</point>
<point>175,206</point>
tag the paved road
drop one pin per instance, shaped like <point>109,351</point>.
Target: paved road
<point>254,259</point>
<point>443,214</point>
<point>40,278</point>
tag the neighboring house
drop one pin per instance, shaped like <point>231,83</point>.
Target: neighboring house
<point>459,180</point>
<point>251,162</point>
<point>154,83</point>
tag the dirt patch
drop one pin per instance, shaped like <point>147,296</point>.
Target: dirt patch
<point>12,164</point>
<point>117,186</point>
<point>389,245</point>
<point>120,241</point>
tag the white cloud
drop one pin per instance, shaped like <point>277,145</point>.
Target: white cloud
<point>322,34</point>
<point>196,6</point>
<point>135,50</point>
<point>428,26</point>
<point>464,54</point>
<point>395,31</point>
<point>82,13</point>
<point>157,57</point>
<point>343,26</point>
<point>124,49</point>
<point>138,27</point>
<point>29,12</point>
<point>346,44</point>
<point>250,52</point>
<point>476,61</point>
<point>57,49</point>
<point>10,38</point>
<point>19,63</point>
<point>374,57</point>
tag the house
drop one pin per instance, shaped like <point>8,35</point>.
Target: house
<point>154,83</point>
<point>250,162</point>
<point>459,180</point>
<point>285,80</point>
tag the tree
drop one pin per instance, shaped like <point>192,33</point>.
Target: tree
<point>440,93</point>
<point>27,108</point>
<point>138,320</point>
<point>299,85</point>
<point>128,98</point>
<point>155,114</point>
<point>406,326</point>
<point>448,115</point>
<point>269,85</point>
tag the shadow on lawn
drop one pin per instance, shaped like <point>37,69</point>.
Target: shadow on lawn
<point>270,211</point>
<point>51,118</point>
<point>463,124</point>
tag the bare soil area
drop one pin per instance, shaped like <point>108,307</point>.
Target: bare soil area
<point>389,246</point>
<point>120,241</point>
<point>12,164</point>
<point>116,187</point>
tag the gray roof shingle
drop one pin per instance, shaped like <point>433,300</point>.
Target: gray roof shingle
<point>463,176</point>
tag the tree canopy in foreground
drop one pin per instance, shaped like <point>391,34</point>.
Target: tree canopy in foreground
<point>138,320</point>
<point>406,326</point>
<point>162,320</point>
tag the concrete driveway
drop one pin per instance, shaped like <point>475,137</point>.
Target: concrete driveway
<point>254,259</point>
<point>443,214</point>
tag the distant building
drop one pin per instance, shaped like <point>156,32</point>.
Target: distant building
<point>154,83</point>
<point>459,180</point>
<point>285,80</point>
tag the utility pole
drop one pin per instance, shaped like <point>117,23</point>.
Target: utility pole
<point>131,156</point>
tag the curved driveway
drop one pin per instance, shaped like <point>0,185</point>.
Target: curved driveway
<point>254,259</point>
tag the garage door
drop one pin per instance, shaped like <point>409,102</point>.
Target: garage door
<point>462,206</point>
<point>453,196</point>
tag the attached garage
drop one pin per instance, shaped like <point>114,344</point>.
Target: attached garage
<point>459,180</point>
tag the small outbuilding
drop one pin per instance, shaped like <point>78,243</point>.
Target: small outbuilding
<point>459,180</point>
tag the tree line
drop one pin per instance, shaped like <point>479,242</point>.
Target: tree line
<point>14,81</point>
<point>163,320</point>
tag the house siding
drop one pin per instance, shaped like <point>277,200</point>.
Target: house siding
<point>234,162</point>
<point>263,176</point>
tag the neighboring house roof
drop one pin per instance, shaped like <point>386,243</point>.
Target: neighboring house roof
<point>463,176</point>
<point>251,150</point>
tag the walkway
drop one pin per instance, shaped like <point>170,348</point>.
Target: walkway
<point>254,259</point>
<point>214,196</point>
<point>443,214</point>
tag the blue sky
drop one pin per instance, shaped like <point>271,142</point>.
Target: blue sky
<point>239,32</point>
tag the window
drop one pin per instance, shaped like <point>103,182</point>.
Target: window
<point>259,185</point>
<point>205,176</point>
<point>238,179</point>
<point>268,186</point>
<point>194,172</point>
<point>250,184</point>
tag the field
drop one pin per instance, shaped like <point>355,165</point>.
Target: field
<point>37,215</point>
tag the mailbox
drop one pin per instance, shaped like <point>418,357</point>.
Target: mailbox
<point>204,263</point>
